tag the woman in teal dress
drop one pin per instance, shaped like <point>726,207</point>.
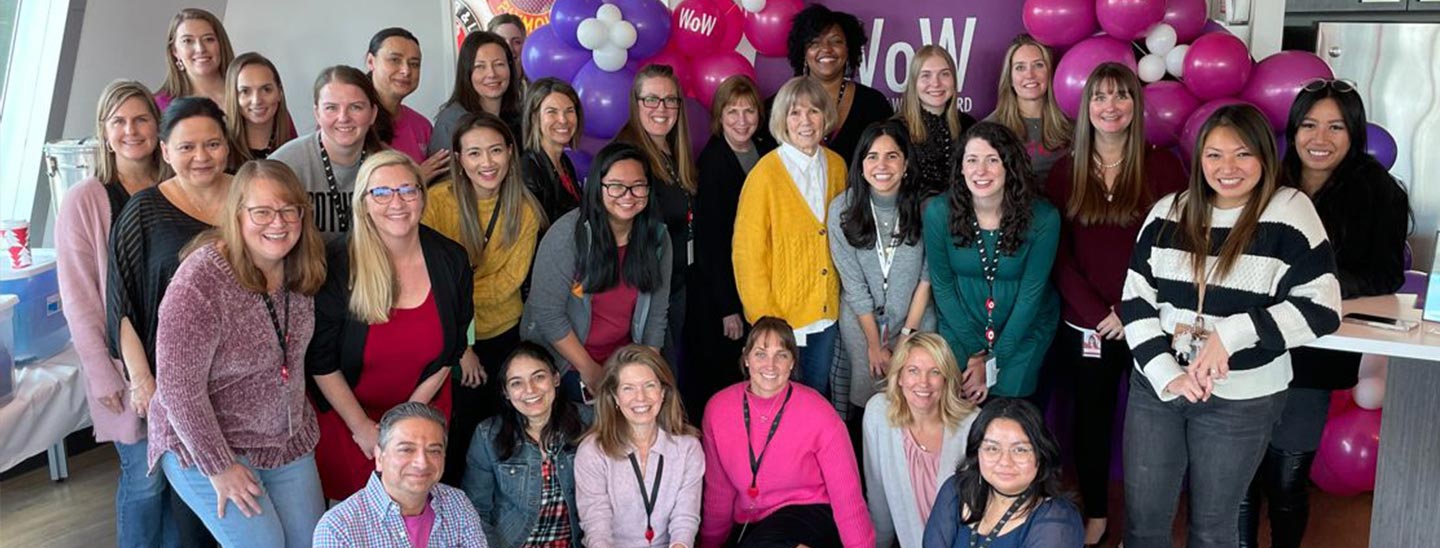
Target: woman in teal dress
<point>991,243</point>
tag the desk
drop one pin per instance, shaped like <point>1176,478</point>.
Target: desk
<point>1407,483</point>
<point>49,404</point>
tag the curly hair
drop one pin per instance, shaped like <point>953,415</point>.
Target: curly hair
<point>1015,213</point>
<point>813,21</point>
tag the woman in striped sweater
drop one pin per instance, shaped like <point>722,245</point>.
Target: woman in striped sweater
<point>1225,278</point>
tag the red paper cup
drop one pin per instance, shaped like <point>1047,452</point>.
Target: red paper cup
<point>15,235</point>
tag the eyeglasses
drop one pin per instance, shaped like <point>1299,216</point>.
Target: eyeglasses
<point>383,194</point>
<point>616,190</point>
<point>651,101</point>
<point>1019,454</point>
<point>1340,85</point>
<point>266,215</point>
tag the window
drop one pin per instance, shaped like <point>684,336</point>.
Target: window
<point>36,28</point>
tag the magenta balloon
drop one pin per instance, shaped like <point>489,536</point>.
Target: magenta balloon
<point>605,98</point>
<point>712,70</point>
<point>678,62</point>
<point>770,28</point>
<point>734,17</point>
<point>1217,65</point>
<point>1349,449</point>
<point>1167,105</point>
<point>1381,145</point>
<point>565,18</point>
<point>1188,17</point>
<point>696,27</point>
<point>1128,19</point>
<point>1074,68</point>
<point>1059,23</point>
<point>1191,129</point>
<point>1277,79</point>
<point>1212,25</point>
<point>545,54</point>
<point>652,25</point>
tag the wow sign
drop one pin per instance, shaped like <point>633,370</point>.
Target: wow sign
<point>700,27</point>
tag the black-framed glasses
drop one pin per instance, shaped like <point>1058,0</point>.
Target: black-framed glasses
<point>1339,84</point>
<point>383,194</point>
<point>262,215</point>
<point>616,190</point>
<point>652,101</point>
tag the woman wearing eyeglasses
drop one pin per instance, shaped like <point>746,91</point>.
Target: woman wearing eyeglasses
<point>389,323</point>
<point>604,273</point>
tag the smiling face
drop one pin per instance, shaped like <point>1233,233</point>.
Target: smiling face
<point>131,131</point>
<point>826,54</point>
<point>1322,140</point>
<point>804,123</point>
<point>558,118</point>
<point>1231,169</point>
<point>1029,73</point>
<point>631,174</point>
<point>935,83</point>
<point>197,150</point>
<point>1007,458</point>
<point>884,166</point>
<point>639,394</point>
<point>738,123</point>
<point>344,114</point>
<point>395,67</point>
<point>490,72</point>
<point>1112,108</point>
<point>922,383</point>
<point>396,219</point>
<point>271,242</point>
<point>657,121</point>
<point>259,93</point>
<point>412,459</point>
<point>530,386</point>
<point>485,156</point>
<point>197,47</point>
<point>983,169</point>
<point>770,365</point>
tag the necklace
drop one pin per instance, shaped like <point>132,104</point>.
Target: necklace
<point>1104,165</point>
<point>839,104</point>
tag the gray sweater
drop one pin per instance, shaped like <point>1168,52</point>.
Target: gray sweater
<point>558,307</point>
<point>332,213</point>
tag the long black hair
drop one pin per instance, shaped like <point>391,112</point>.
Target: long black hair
<point>1015,213</point>
<point>463,93</point>
<point>856,221</point>
<point>564,426</point>
<point>971,487</point>
<point>596,252</point>
<point>384,121</point>
<point>1352,110</point>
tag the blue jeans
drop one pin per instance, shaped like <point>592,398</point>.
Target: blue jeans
<point>147,513</point>
<point>816,358</point>
<point>290,505</point>
<point>1220,442</point>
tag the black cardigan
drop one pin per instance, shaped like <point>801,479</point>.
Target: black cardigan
<point>721,178</point>
<point>543,181</point>
<point>339,340</point>
<point>1366,214</point>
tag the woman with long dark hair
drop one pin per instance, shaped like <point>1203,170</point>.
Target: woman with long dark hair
<point>393,63</point>
<point>487,79</point>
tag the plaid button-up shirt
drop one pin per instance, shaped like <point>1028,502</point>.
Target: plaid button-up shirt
<point>371,518</point>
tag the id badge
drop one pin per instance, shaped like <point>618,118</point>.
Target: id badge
<point>1186,346</point>
<point>690,252</point>
<point>884,327</point>
<point>1090,344</point>
<point>992,372</point>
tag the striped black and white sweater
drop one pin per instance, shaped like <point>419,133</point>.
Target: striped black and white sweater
<point>1280,294</point>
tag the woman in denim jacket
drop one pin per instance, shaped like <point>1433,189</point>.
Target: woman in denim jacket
<point>520,468</point>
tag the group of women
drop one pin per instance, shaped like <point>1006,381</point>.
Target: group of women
<point>244,321</point>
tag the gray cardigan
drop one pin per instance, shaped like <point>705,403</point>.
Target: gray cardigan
<point>862,287</point>
<point>557,306</point>
<point>888,489</point>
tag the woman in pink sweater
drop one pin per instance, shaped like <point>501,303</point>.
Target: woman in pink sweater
<point>769,483</point>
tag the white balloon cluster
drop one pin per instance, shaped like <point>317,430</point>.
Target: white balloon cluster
<point>1370,389</point>
<point>752,6</point>
<point>608,37</point>
<point>1165,55</point>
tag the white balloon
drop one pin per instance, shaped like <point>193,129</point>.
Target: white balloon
<point>593,33</point>
<point>609,13</point>
<point>1373,366</point>
<point>1175,60</point>
<point>1161,39</point>
<point>753,6</point>
<point>1151,69</point>
<point>622,34</point>
<point>610,58</point>
<point>1370,393</point>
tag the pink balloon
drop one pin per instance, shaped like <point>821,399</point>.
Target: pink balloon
<point>1167,105</point>
<point>734,17</point>
<point>712,70</point>
<point>697,27</point>
<point>1188,17</point>
<point>769,29</point>
<point>1074,68</point>
<point>1128,19</point>
<point>1191,131</point>
<point>678,62</point>
<point>1349,449</point>
<point>1217,65</point>
<point>1277,79</point>
<point>1341,402</point>
<point>1059,23</point>
<point>1212,25</point>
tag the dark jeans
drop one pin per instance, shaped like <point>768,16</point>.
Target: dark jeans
<point>810,524</point>
<point>472,405</point>
<point>1220,443</point>
<point>1097,393</point>
<point>817,357</point>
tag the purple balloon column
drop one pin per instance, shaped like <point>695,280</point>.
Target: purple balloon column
<point>1059,23</point>
<point>1167,106</point>
<point>605,98</point>
<point>547,54</point>
<point>1276,81</point>
<point>1217,65</point>
<point>1075,67</point>
<point>652,25</point>
<point>1381,145</point>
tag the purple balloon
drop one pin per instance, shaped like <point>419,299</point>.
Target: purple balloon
<point>1282,145</point>
<point>1128,19</point>
<point>565,18</point>
<point>1381,145</point>
<point>1167,105</point>
<point>605,98</point>
<point>1188,17</point>
<point>1059,23</point>
<point>1217,65</point>
<point>652,25</point>
<point>1277,79</point>
<point>1212,25</point>
<point>581,161</point>
<point>1349,449</point>
<point>1075,67</point>
<point>1191,131</point>
<point>545,54</point>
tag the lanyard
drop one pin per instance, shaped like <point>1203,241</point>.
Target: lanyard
<point>335,205</point>
<point>282,335</point>
<point>654,491</point>
<point>754,490</point>
<point>976,541</point>
<point>989,266</point>
<point>490,226</point>
<point>885,247</point>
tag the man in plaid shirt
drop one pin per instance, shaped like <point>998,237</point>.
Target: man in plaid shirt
<point>404,504</point>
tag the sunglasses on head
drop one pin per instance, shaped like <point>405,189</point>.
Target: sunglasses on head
<point>1339,84</point>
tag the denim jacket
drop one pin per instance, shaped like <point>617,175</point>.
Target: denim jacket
<point>507,494</point>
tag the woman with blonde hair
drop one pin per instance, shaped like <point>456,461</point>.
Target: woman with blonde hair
<point>639,418</point>
<point>255,106</point>
<point>928,110</point>
<point>1025,103</point>
<point>197,55</point>
<point>390,321</point>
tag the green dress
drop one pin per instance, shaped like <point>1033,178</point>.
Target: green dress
<point>1027,308</point>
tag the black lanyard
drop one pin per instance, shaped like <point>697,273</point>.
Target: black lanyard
<point>654,491</point>
<point>990,267</point>
<point>490,226</point>
<point>754,490</point>
<point>977,542</point>
<point>281,333</point>
<point>335,202</point>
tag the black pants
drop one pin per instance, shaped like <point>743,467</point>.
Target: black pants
<point>1284,474</point>
<point>810,524</point>
<point>472,405</point>
<point>1097,393</point>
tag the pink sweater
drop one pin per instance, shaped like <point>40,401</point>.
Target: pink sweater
<point>810,461</point>
<point>412,134</point>
<point>82,245</point>
<point>219,391</point>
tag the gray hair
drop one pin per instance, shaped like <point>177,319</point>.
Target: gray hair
<point>408,410</point>
<point>795,89</point>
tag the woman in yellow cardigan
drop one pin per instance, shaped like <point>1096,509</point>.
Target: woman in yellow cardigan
<point>781,254</point>
<point>488,210</point>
